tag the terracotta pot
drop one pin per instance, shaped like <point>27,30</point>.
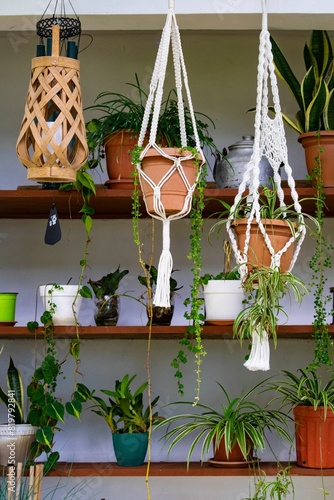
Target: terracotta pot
<point>311,145</point>
<point>235,454</point>
<point>118,159</point>
<point>314,437</point>
<point>279,233</point>
<point>174,190</point>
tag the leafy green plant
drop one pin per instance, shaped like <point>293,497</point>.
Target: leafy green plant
<point>319,263</point>
<point>108,284</point>
<point>278,489</point>
<point>314,95</point>
<point>121,112</point>
<point>229,275</point>
<point>46,409</point>
<point>240,421</point>
<point>192,340</point>
<point>307,389</point>
<point>264,288</point>
<point>153,276</point>
<point>15,387</point>
<point>124,410</point>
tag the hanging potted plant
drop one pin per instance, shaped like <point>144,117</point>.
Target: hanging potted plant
<point>312,402</point>
<point>126,417</point>
<point>161,316</point>
<point>115,134</point>
<point>234,433</point>
<point>314,120</point>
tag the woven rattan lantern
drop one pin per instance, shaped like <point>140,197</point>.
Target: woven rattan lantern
<point>52,141</point>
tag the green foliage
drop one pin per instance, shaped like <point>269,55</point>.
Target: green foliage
<point>307,389</point>
<point>124,411</point>
<point>239,421</point>
<point>224,275</point>
<point>121,112</point>
<point>46,409</point>
<point>192,340</point>
<point>315,93</point>
<point>265,287</point>
<point>15,386</point>
<point>108,285</point>
<point>152,276</point>
<point>278,489</point>
<point>319,263</point>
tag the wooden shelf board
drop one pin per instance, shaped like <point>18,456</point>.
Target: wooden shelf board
<point>141,332</point>
<point>178,469</point>
<point>35,203</point>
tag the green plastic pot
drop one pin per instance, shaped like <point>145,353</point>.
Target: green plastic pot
<point>7,307</point>
<point>130,449</point>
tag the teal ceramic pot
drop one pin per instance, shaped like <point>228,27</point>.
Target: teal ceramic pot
<point>130,449</point>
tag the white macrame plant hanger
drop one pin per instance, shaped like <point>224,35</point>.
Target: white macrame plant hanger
<point>170,33</point>
<point>269,141</point>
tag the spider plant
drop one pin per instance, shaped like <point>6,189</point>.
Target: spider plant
<point>240,420</point>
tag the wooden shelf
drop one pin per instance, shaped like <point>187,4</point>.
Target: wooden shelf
<point>178,469</point>
<point>35,203</point>
<point>141,332</point>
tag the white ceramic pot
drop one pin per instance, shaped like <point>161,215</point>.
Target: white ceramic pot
<point>15,442</point>
<point>63,300</point>
<point>223,300</point>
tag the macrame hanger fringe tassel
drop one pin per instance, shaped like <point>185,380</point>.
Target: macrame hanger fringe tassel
<point>259,358</point>
<point>165,267</point>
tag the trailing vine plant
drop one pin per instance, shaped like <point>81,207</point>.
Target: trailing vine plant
<point>192,340</point>
<point>319,263</point>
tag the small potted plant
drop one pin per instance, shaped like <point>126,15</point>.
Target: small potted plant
<point>314,120</point>
<point>312,402</point>
<point>234,432</point>
<point>64,300</point>
<point>126,417</point>
<point>17,429</point>
<point>160,315</point>
<point>223,293</point>
<point>107,300</point>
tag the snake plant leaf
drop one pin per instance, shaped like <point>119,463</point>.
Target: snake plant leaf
<point>329,112</point>
<point>307,87</point>
<point>315,109</point>
<point>320,49</point>
<point>285,72</point>
<point>15,386</point>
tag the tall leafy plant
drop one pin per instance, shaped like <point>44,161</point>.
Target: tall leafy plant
<point>315,93</point>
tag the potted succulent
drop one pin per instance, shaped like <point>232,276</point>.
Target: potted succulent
<point>160,315</point>
<point>312,401</point>
<point>314,120</point>
<point>107,300</point>
<point>234,432</point>
<point>17,429</point>
<point>126,417</point>
<point>115,133</point>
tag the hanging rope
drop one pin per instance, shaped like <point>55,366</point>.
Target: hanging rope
<point>184,165</point>
<point>269,141</point>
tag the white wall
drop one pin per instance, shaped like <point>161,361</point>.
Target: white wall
<point>222,76</point>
